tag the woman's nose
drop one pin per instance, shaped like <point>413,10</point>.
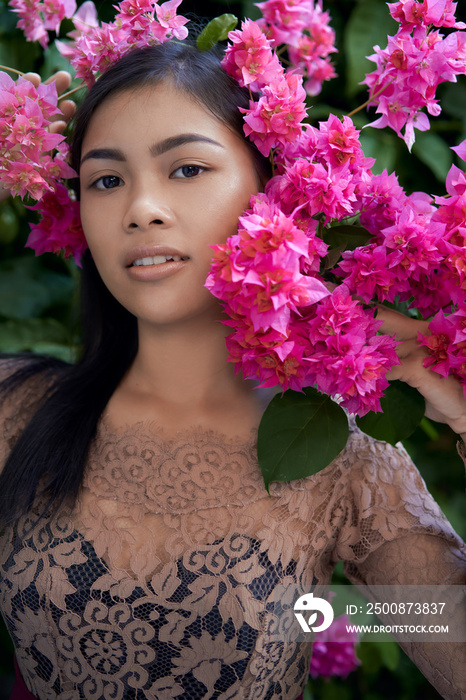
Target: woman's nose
<point>146,208</point>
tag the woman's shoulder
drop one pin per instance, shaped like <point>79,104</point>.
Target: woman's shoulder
<point>24,382</point>
<point>20,373</point>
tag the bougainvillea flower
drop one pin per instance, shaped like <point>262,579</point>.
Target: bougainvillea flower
<point>60,227</point>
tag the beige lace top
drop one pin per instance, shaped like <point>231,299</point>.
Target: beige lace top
<point>158,584</point>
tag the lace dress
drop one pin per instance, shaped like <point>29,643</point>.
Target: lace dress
<point>158,583</point>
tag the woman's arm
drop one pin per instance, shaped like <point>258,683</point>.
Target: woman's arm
<point>394,536</point>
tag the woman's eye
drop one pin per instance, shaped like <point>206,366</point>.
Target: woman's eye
<point>188,171</point>
<point>107,182</point>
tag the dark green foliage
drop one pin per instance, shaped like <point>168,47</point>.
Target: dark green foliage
<point>299,435</point>
<point>402,411</point>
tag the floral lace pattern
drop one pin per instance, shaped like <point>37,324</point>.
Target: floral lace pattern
<point>160,583</point>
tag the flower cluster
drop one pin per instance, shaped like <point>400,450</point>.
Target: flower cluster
<point>289,330</point>
<point>38,18</point>
<point>275,119</point>
<point>28,164</point>
<point>406,248</point>
<point>258,276</point>
<point>417,59</point>
<point>305,30</point>
<point>447,342</point>
<point>95,47</point>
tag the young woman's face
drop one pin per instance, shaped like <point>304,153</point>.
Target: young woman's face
<point>161,180</point>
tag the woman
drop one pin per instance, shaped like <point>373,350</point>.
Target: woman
<point>142,551</point>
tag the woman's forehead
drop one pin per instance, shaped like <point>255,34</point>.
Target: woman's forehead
<point>160,109</point>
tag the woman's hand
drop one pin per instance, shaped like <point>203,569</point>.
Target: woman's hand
<point>68,108</point>
<point>444,397</point>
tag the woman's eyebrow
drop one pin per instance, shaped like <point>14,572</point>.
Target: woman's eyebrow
<point>104,154</point>
<point>156,150</point>
<point>174,141</point>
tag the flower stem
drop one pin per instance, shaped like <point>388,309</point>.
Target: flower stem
<point>11,70</point>
<point>70,92</point>
<point>371,98</point>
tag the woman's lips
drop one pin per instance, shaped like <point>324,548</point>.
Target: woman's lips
<point>150,273</point>
<point>152,263</point>
<point>148,256</point>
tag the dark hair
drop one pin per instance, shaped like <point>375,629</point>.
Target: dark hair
<point>51,452</point>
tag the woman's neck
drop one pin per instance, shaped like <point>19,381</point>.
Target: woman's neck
<point>181,377</point>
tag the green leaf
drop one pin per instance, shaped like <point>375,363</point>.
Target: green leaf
<point>433,151</point>
<point>429,429</point>
<point>340,238</point>
<point>349,236</point>
<point>368,25</point>
<point>403,408</point>
<point>454,99</point>
<point>216,30</point>
<point>8,20</point>
<point>300,434</point>
<point>61,352</point>
<point>53,62</point>
<point>18,54</point>
<point>333,690</point>
<point>9,224</point>
<point>381,146</point>
<point>369,655</point>
<point>27,288</point>
<point>332,257</point>
<point>307,692</point>
<point>390,653</point>
<point>26,335</point>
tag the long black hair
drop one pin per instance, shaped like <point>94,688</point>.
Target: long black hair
<point>50,454</point>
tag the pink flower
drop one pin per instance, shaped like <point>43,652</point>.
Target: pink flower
<point>317,190</point>
<point>460,150</point>
<point>276,118</point>
<point>383,199</point>
<point>27,163</point>
<point>304,28</point>
<point>345,357</point>
<point>286,19</point>
<point>60,227</point>
<point>416,60</point>
<point>439,13</point>
<point>310,53</point>
<point>440,343</point>
<point>257,272</point>
<point>339,141</point>
<point>170,22</point>
<point>96,47</point>
<point>368,275</point>
<point>333,652</point>
<point>249,57</point>
<point>37,17</point>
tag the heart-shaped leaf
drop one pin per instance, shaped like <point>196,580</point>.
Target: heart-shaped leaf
<point>300,434</point>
